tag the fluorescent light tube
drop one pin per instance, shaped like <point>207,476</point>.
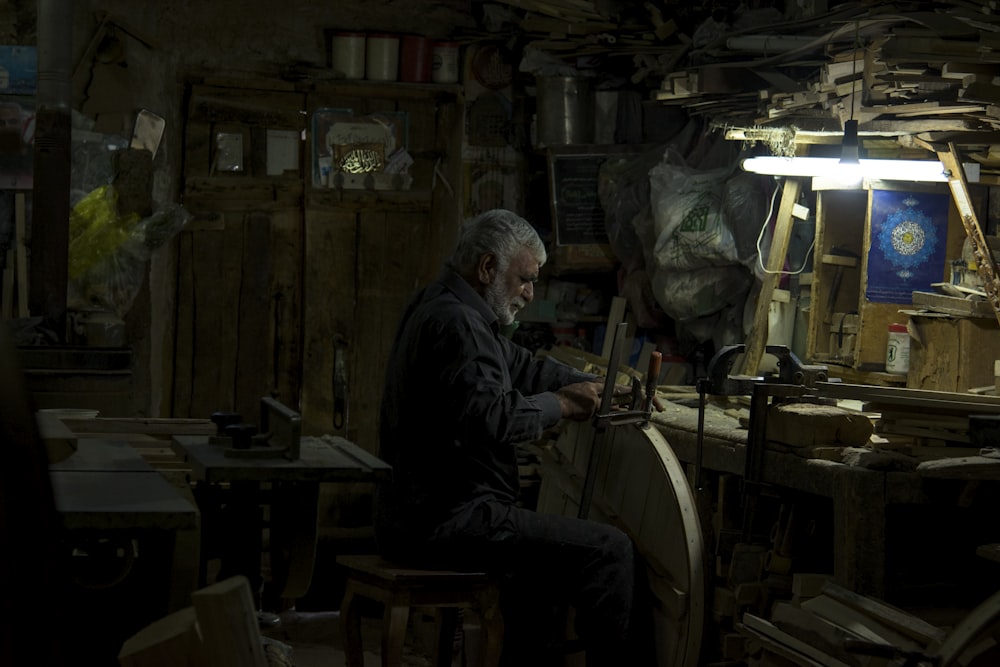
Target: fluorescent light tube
<point>831,167</point>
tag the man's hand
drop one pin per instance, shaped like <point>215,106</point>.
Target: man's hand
<point>579,401</point>
<point>622,390</point>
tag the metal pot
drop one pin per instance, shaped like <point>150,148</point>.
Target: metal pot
<point>565,113</point>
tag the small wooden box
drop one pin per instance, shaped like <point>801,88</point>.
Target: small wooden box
<point>953,353</point>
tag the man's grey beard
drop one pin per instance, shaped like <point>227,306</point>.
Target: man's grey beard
<point>499,304</point>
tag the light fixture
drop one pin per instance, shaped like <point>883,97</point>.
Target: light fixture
<point>831,167</point>
<point>849,148</point>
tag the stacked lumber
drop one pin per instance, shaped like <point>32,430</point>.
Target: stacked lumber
<point>923,434</point>
<point>150,436</point>
<point>815,630</point>
<point>920,73</point>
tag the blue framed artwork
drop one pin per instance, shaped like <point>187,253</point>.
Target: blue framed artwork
<point>18,70</point>
<point>909,233</point>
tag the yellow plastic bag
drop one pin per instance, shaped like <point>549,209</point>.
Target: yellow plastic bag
<point>96,230</point>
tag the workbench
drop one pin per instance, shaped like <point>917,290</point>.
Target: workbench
<point>906,532</point>
<point>865,503</point>
<point>232,493</point>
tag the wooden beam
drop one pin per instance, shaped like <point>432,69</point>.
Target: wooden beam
<point>757,339</point>
<point>22,256</point>
<point>617,315</point>
<point>985,262</point>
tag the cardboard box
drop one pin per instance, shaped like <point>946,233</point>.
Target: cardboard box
<point>952,353</point>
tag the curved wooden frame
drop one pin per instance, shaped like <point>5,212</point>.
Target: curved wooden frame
<point>641,487</point>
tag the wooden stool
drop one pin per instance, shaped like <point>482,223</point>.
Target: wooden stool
<point>399,589</point>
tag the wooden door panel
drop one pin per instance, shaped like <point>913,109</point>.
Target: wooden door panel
<point>328,311</point>
<point>237,315</point>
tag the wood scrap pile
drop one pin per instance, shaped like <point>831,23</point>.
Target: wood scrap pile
<point>816,631</point>
<point>896,70</point>
<point>921,434</point>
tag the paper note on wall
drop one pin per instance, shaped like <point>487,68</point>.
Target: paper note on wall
<point>282,151</point>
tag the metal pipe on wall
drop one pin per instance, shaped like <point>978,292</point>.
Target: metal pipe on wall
<point>51,188</point>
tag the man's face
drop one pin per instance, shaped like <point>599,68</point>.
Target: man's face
<point>513,289</point>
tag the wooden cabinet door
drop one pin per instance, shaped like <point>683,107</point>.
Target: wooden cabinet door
<point>279,276</point>
<point>238,302</point>
<point>238,322</point>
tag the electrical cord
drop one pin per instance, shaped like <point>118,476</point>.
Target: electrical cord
<point>760,236</point>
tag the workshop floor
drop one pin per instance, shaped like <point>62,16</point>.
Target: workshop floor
<point>316,642</point>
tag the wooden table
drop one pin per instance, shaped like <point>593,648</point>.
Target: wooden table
<point>131,541</point>
<point>232,492</point>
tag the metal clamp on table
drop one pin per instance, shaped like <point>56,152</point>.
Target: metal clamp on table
<point>639,410</point>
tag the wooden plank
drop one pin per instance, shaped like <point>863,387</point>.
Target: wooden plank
<point>215,281</point>
<point>447,207</point>
<point>757,339</point>
<point>919,398</point>
<point>390,274</point>
<point>7,297</point>
<point>962,467</point>
<point>254,361</point>
<point>285,288</point>
<point>859,525</point>
<point>986,267</point>
<point>803,652</point>
<point>22,255</point>
<point>989,552</point>
<point>615,316</point>
<point>952,305</point>
<point>858,623</point>
<point>184,331</point>
<point>59,440</point>
<point>163,427</point>
<point>813,629</point>
<point>912,626</point>
<point>227,620</point>
<point>171,641</point>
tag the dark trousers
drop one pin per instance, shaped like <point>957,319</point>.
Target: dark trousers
<point>547,562</point>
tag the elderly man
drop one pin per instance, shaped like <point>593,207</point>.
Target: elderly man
<point>458,398</point>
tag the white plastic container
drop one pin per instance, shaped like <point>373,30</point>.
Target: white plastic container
<point>382,57</point>
<point>444,62</point>
<point>897,353</point>
<point>347,54</point>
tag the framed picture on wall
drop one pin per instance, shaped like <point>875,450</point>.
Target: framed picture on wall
<point>355,144</point>
<point>908,244</point>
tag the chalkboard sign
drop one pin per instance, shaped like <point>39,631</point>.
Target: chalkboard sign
<point>576,207</point>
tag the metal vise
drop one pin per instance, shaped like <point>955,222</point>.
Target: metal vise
<point>790,371</point>
<point>278,436</point>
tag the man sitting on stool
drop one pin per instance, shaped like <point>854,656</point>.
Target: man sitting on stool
<point>458,398</point>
